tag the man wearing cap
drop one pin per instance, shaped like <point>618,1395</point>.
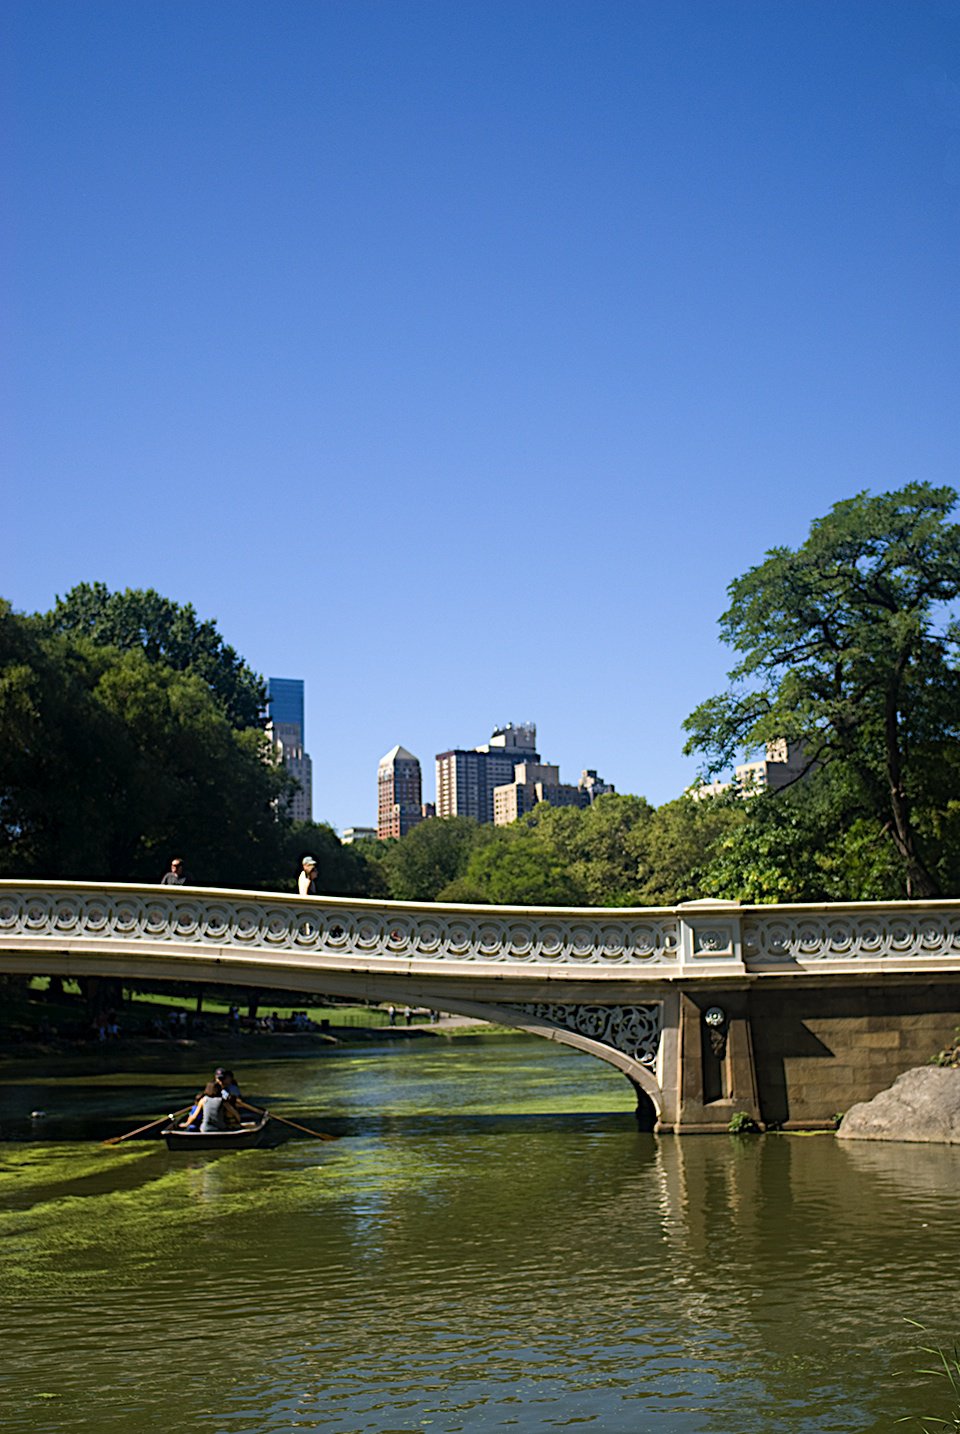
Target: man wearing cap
<point>175,876</point>
<point>308,877</point>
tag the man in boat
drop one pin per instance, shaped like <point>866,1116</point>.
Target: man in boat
<point>227,1084</point>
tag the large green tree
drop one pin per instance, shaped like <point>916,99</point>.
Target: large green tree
<point>849,648</point>
<point>110,762</point>
<point>674,849</point>
<point>597,844</point>
<point>167,632</point>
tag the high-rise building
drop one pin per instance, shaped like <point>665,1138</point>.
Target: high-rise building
<point>783,764</point>
<point>399,804</point>
<point>591,786</point>
<point>285,701</point>
<point>466,778</point>
<point>533,782</point>
<point>285,728</point>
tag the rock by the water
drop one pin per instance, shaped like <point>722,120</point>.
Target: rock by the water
<point>922,1104</point>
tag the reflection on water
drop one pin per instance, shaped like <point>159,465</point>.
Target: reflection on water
<point>492,1245</point>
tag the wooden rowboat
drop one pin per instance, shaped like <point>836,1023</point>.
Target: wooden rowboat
<point>243,1137</point>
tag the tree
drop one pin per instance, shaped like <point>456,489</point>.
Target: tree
<point>599,844</point>
<point>674,848</point>
<point>848,648</point>
<point>515,865</point>
<point>168,633</point>
<point>109,762</point>
<point>803,844</point>
<point>430,856</point>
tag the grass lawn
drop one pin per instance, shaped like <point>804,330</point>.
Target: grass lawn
<point>29,1011</point>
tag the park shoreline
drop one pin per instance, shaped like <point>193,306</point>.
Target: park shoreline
<point>213,1048</point>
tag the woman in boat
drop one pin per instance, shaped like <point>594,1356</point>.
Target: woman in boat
<point>210,1110</point>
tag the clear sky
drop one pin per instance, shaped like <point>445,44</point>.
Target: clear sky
<point>455,356</point>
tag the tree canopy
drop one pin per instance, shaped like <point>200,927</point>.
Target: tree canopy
<point>110,762</point>
<point>167,632</point>
<point>849,649</point>
<point>430,856</point>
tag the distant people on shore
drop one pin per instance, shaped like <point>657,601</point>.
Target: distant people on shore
<point>107,1026</point>
<point>175,876</point>
<point>307,880</point>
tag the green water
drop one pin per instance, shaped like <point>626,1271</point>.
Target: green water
<point>490,1245</point>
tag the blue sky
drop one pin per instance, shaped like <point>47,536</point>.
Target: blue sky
<point>456,356</point>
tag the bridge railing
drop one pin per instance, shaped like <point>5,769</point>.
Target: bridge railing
<point>698,939</point>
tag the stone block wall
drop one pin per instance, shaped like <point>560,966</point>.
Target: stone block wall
<point>818,1050</point>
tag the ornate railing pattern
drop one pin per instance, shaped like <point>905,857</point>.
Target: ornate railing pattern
<point>634,1030</point>
<point>656,944</point>
<point>244,922</point>
<point>784,936</point>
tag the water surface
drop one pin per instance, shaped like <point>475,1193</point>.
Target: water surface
<point>490,1245</point>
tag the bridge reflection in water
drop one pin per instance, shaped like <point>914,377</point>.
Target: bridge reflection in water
<point>787,1013</point>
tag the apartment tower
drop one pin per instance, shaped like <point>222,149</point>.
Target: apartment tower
<point>399,793</point>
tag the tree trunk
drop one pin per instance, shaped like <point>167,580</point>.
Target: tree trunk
<point>920,882</point>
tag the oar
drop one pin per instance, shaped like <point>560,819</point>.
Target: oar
<point>319,1134</point>
<point>116,1139</point>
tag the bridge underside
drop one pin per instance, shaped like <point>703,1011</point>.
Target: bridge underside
<point>623,1030</point>
<point>786,1054</point>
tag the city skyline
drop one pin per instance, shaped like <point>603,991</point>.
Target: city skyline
<point>573,311</point>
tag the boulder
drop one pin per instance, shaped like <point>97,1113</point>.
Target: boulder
<point>922,1104</point>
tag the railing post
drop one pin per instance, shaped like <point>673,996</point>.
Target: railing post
<point>710,938</point>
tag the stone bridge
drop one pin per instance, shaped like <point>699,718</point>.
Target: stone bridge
<point>788,1013</point>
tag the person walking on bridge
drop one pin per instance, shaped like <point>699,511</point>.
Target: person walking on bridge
<point>307,880</point>
<point>175,876</point>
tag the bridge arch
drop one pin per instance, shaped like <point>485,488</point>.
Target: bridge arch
<point>696,1004</point>
<point>640,1076</point>
<point>447,959</point>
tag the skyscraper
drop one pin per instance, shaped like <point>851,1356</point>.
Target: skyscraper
<point>285,728</point>
<point>466,778</point>
<point>398,793</point>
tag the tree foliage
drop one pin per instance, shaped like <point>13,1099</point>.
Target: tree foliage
<point>848,647</point>
<point>515,865</point>
<point>168,633</point>
<point>428,858</point>
<point>110,762</point>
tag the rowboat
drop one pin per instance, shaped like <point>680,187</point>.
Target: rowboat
<point>243,1137</point>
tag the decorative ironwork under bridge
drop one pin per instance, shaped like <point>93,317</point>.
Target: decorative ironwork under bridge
<point>708,1007</point>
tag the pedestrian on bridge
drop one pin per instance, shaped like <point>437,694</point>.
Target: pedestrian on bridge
<point>175,876</point>
<point>307,880</point>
